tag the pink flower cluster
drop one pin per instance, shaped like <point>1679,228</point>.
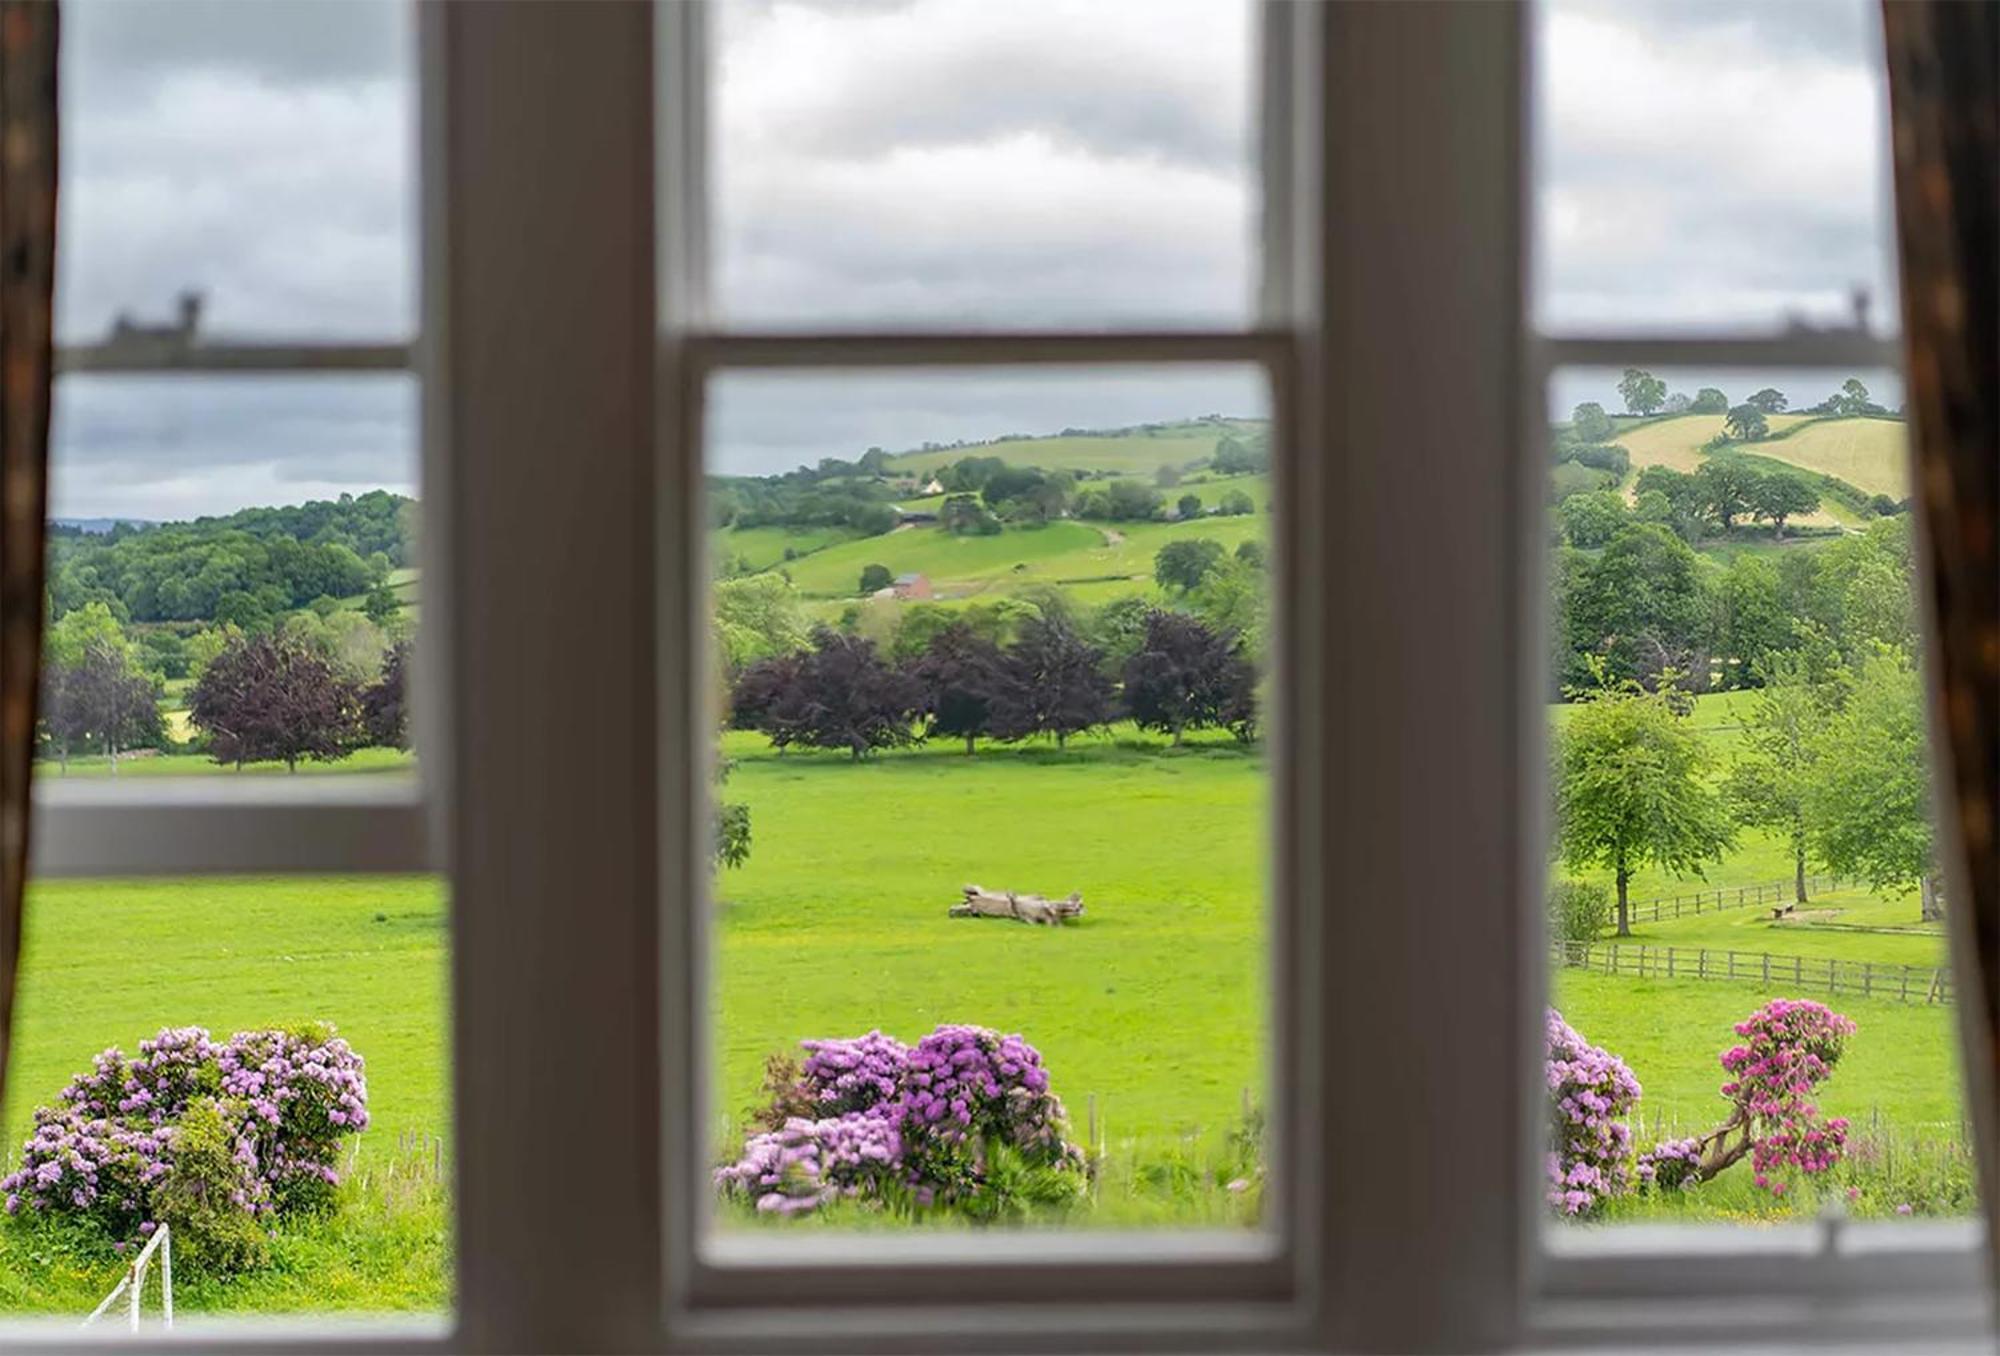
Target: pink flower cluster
<point>1792,1046</point>
<point>855,1074</point>
<point>1590,1145</point>
<point>805,1164</point>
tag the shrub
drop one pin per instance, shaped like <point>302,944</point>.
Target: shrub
<point>212,1138</point>
<point>965,1120</point>
<point>1793,1046</point>
<point>1590,1144</point>
<point>875,577</point>
<point>1670,1165</point>
<point>1579,910</point>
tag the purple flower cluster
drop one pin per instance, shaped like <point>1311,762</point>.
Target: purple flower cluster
<point>917,1120</point>
<point>1590,1144</point>
<point>1793,1045</point>
<point>854,1075</point>
<point>285,1099</point>
<point>1670,1165</point>
<point>807,1163</point>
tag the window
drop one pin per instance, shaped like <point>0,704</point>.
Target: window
<point>582,360</point>
<point>1741,862</point>
<point>234,586</point>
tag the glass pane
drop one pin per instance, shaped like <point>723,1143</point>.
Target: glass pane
<point>951,163</point>
<point>255,157</point>
<point>1711,165</point>
<point>232,576</point>
<point>988,682</point>
<point>1751,998</point>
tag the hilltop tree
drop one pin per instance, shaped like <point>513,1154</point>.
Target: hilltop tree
<point>1051,683</point>
<point>1642,391</point>
<point>1867,805</point>
<point>837,695</point>
<point>1708,400</point>
<point>1853,397</point>
<point>1182,677</point>
<point>1632,789</point>
<point>268,698</point>
<point>1772,776</point>
<point>1746,423</point>
<point>1184,564</point>
<point>1590,424</point>
<point>1679,403</point>
<point>875,577</point>
<point>956,675</point>
<point>1779,495</point>
<point>1770,400</point>
<point>1233,458</point>
<point>385,716</point>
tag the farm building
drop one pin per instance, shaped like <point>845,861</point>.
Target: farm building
<point>911,588</point>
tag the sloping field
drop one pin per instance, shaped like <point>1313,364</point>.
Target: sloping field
<point>1869,454</point>
<point>1677,442</point>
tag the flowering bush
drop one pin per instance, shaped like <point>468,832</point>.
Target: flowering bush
<point>1793,1045</point>
<point>210,1137</point>
<point>1590,1092</point>
<point>964,1119</point>
<point>1670,1165</point>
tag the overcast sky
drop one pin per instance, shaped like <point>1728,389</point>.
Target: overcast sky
<point>936,162</point>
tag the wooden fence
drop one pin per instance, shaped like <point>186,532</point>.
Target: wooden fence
<point>1775,894</point>
<point>1802,974</point>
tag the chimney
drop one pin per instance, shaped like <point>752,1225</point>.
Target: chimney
<point>190,313</point>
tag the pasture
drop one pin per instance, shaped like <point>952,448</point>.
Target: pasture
<point>1152,1009</point>
<point>1139,452</point>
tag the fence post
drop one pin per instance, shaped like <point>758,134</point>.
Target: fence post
<point>1796,980</point>
<point>1670,962</point>
<point>1906,985</point>
<point>1732,965</point>
<point>1701,964</point>
<point>1767,969</point>
<point>1867,979</point>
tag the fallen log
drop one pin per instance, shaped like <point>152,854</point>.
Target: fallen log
<point>980,902</point>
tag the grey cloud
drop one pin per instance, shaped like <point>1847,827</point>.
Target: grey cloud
<point>1831,29</point>
<point>123,46</point>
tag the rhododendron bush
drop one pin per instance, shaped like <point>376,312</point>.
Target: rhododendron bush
<point>1791,1047</point>
<point>214,1138</point>
<point>964,1120</point>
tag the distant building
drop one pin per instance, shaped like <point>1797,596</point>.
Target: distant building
<point>907,516</point>
<point>910,588</point>
<point>180,333</point>
<point>933,486</point>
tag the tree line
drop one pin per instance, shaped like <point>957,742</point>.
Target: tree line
<point>315,687</point>
<point>1832,759</point>
<point>247,568</point>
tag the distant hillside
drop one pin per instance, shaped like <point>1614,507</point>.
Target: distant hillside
<point>1141,450</point>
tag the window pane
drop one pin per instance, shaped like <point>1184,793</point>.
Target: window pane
<point>256,155</point>
<point>999,655</point>
<point>1711,165</point>
<point>950,163</point>
<point>1751,998</point>
<point>268,524</point>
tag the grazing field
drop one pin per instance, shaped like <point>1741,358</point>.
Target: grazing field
<point>1677,443</point>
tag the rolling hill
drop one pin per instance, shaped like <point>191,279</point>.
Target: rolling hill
<point>1140,451</point>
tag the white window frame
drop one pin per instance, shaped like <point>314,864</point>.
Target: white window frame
<point>561,341</point>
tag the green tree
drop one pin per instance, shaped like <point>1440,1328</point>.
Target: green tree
<point>1642,391</point>
<point>381,604</point>
<point>1770,400</point>
<point>756,618</point>
<point>1746,423</point>
<point>1236,504</point>
<point>1632,789</point>
<point>1188,506</point>
<point>1184,564</point>
<point>1750,616</point>
<point>1591,520</point>
<point>1853,397</point>
<point>1774,769</point>
<point>1867,805</point>
<point>1640,606</point>
<point>875,577</point>
<point>1726,486</point>
<point>1779,495</point>
<point>1579,910</point>
<point>1588,423</point>
<point>1708,400</point>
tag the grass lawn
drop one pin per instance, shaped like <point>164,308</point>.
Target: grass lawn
<point>201,765</point>
<point>111,962</point>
